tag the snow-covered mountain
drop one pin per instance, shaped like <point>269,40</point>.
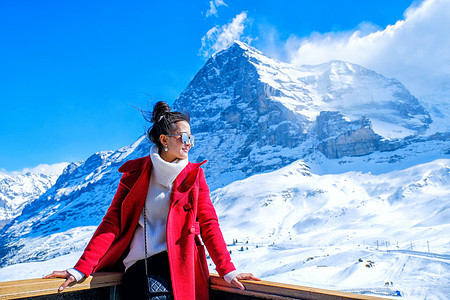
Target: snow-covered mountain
<point>253,115</point>
<point>65,216</point>
<point>19,189</point>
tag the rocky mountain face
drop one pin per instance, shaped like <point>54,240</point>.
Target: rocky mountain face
<point>239,129</point>
<point>253,114</point>
<point>250,114</point>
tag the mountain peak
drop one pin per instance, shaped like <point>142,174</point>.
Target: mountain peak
<point>237,45</point>
<point>238,48</point>
<point>269,108</point>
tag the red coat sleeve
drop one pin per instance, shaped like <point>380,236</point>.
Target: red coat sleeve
<point>210,230</point>
<point>105,234</point>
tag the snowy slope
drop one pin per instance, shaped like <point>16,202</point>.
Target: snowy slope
<point>298,227</point>
<point>341,86</point>
<point>17,190</point>
<point>438,105</point>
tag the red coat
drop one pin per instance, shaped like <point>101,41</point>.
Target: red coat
<point>191,212</point>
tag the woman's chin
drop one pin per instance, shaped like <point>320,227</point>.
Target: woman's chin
<point>183,155</point>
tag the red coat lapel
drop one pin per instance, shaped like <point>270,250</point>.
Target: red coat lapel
<point>138,179</point>
<point>184,182</point>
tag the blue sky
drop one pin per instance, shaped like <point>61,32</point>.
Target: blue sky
<point>71,71</point>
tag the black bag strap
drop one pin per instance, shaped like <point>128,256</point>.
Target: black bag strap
<point>145,238</point>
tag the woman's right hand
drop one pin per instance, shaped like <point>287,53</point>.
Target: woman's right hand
<point>62,274</point>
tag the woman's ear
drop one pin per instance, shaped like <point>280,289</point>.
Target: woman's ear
<point>163,139</point>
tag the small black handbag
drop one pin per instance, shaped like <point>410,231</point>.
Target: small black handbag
<point>157,287</point>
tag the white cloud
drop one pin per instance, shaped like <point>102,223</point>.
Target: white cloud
<point>213,5</point>
<point>54,169</point>
<point>220,37</point>
<point>414,50</point>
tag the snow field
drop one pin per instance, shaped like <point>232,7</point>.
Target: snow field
<point>350,231</point>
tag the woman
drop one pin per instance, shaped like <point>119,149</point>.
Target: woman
<point>166,230</point>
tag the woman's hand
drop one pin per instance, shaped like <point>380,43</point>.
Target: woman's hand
<point>243,276</point>
<point>62,274</point>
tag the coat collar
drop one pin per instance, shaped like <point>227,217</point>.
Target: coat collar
<point>135,165</point>
<point>137,178</point>
<point>136,170</point>
<point>141,164</point>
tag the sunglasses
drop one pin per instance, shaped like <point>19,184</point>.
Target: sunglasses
<point>185,138</point>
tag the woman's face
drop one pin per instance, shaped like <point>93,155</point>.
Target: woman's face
<point>176,148</point>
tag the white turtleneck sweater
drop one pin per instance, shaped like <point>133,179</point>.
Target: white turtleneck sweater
<point>157,209</point>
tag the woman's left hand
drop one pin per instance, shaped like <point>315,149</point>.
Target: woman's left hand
<point>243,276</point>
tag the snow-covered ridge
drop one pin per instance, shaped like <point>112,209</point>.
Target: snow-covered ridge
<point>17,189</point>
<point>80,195</point>
<point>345,87</point>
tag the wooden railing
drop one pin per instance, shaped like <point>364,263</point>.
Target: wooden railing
<point>220,289</point>
<point>107,286</point>
<point>98,286</point>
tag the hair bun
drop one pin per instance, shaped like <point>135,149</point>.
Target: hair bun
<point>159,110</point>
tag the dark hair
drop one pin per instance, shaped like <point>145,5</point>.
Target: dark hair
<point>163,122</point>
